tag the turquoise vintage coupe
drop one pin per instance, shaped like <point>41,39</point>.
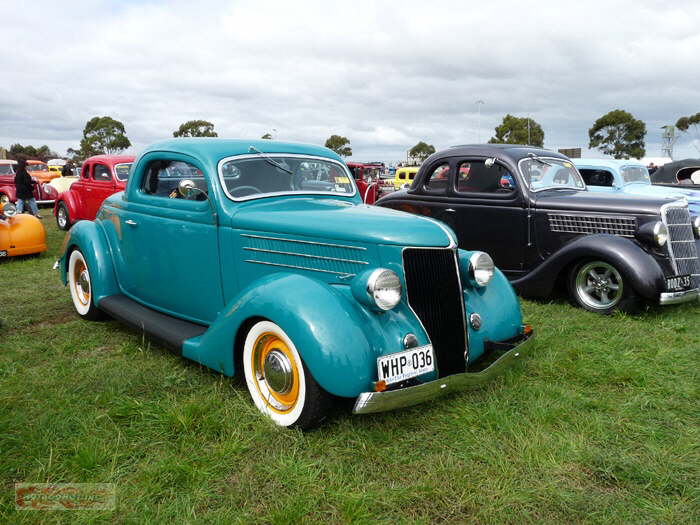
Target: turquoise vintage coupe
<point>259,257</point>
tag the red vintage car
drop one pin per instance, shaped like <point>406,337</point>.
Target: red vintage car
<point>368,180</point>
<point>43,192</point>
<point>100,177</point>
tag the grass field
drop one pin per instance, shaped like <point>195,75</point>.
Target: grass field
<point>601,424</point>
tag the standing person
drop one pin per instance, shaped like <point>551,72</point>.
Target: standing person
<point>67,169</point>
<point>24,185</point>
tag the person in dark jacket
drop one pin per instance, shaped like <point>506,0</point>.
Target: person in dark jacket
<point>67,169</point>
<point>24,185</point>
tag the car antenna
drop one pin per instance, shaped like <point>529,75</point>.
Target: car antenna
<point>253,149</point>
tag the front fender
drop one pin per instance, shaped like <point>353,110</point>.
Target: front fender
<point>338,339</point>
<point>10,191</point>
<point>89,238</point>
<point>639,267</point>
<point>70,200</point>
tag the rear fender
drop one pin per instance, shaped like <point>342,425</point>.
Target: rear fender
<point>89,238</point>
<point>639,267</point>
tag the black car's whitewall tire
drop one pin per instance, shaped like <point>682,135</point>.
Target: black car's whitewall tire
<point>278,381</point>
<point>80,284</point>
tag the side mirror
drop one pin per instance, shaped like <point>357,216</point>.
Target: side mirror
<point>186,188</point>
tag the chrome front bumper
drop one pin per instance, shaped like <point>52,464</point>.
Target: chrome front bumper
<point>678,297</point>
<point>369,402</point>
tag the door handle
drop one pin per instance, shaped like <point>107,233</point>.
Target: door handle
<point>130,222</point>
<point>450,210</point>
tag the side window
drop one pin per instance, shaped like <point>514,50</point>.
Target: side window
<point>86,171</point>
<point>597,177</point>
<point>402,175</point>
<point>479,176</point>
<point>100,172</point>
<point>162,178</point>
<point>437,179</point>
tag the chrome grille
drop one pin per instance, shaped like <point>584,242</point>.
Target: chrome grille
<point>435,295</point>
<point>573,223</point>
<point>681,241</point>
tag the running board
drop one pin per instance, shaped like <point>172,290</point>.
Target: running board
<point>165,329</point>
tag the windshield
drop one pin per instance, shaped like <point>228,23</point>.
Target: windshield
<point>122,170</point>
<point>270,174</point>
<point>36,167</point>
<point>635,174</point>
<point>549,173</point>
<point>6,169</point>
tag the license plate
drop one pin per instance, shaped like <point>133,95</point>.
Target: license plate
<point>400,366</point>
<point>680,282</point>
<point>3,253</point>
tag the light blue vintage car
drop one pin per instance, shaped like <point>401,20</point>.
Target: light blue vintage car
<point>631,177</point>
<point>259,257</point>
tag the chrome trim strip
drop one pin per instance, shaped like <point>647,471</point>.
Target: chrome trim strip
<point>342,274</point>
<point>685,296</point>
<point>278,193</point>
<point>369,402</point>
<point>302,242</point>
<point>305,255</point>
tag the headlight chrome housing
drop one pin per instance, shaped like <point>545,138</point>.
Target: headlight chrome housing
<point>655,233</point>
<point>481,268</point>
<point>660,234</point>
<point>384,287</point>
<point>696,227</point>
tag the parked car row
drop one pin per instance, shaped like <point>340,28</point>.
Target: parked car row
<point>260,258</point>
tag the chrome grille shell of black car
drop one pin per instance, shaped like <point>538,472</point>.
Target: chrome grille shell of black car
<point>681,240</point>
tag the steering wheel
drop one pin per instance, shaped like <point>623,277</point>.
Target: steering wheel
<point>250,189</point>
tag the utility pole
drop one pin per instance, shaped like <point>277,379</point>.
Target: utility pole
<point>528,129</point>
<point>479,103</point>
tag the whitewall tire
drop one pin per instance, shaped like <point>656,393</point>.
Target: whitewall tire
<point>80,285</point>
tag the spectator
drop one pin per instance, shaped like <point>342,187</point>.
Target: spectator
<point>25,192</point>
<point>67,169</point>
<point>652,168</point>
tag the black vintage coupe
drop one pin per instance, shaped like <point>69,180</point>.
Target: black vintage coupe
<point>529,208</point>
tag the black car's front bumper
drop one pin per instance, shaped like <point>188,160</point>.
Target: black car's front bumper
<point>369,402</point>
<point>684,296</point>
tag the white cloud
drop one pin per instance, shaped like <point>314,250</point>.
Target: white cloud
<point>384,74</point>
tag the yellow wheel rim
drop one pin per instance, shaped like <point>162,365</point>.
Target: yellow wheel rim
<point>82,281</point>
<point>270,349</point>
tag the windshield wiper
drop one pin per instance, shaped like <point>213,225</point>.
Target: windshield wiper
<point>270,160</point>
<point>535,157</point>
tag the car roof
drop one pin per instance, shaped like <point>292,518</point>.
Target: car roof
<point>219,148</point>
<point>110,159</point>
<point>514,152</point>
<point>8,161</point>
<point>607,163</point>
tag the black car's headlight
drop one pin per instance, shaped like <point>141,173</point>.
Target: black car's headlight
<point>378,289</point>
<point>696,227</point>
<point>481,268</point>
<point>655,233</point>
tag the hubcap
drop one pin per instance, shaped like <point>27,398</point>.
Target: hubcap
<point>82,282</point>
<point>276,372</point>
<point>61,217</point>
<point>599,285</point>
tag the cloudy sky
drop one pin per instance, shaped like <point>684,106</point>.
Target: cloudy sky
<point>384,74</point>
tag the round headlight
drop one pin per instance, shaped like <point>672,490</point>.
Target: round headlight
<point>481,268</point>
<point>696,227</point>
<point>660,234</point>
<point>9,209</point>
<point>384,287</point>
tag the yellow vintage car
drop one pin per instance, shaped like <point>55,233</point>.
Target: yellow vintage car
<point>20,234</point>
<point>404,177</point>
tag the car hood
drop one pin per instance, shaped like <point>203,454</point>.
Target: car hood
<point>342,220</point>
<point>662,191</point>
<point>589,201</point>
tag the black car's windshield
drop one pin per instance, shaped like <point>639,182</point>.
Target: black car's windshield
<point>122,170</point>
<point>550,173</point>
<point>635,174</point>
<point>268,174</point>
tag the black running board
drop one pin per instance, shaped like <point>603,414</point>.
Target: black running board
<point>165,329</point>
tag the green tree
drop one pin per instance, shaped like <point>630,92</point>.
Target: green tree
<point>267,136</point>
<point>341,145</point>
<point>196,128</point>
<point>103,135</point>
<point>691,125</point>
<point>619,134</point>
<point>518,130</point>
<point>421,151</point>
<point>31,152</point>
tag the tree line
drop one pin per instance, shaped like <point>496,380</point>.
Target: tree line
<point>617,133</point>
